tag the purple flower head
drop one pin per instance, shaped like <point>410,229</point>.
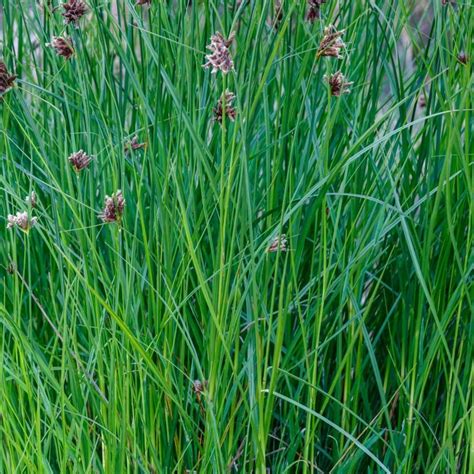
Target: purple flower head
<point>219,59</point>
<point>21,220</point>
<point>74,10</point>
<point>331,44</point>
<point>79,160</point>
<point>114,207</point>
<point>338,84</point>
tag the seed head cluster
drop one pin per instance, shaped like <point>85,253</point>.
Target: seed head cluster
<point>220,59</point>
<point>314,10</point>
<point>224,107</point>
<point>133,145</point>
<point>79,160</point>
<point>113,209</point>
<point>62,46</point>
<point>463,58</point>
<point>279,243</point>
<point>31,199</point>
<point>332,43</point>
<point>74,10</point>
<point>199,388</point>
<point>338,84</point>
<point>22,220</point>
<point>6,79</point>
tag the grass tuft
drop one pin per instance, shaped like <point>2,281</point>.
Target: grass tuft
<point>252,256</point>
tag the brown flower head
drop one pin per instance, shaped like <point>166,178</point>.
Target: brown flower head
<point>338,84</point>
<point>219,59</point>
<point>279,243</point>
<point>31,199</point>
<point>224,107</point>
<point>331,44</point>
<point>314,10</point>
<point>463,58</point>
<point>63,46</point>
<point>114,207</point>
<point>134,144</point>
<point>6,79</point>
<point>21,220</point>
<point>448,2</point>
<point>143,2</point>
<point>74,10</point>
<point>80,160</point>
<point>199,387</point>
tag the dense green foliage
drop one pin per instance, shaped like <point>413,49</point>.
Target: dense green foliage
<point>175,340</point>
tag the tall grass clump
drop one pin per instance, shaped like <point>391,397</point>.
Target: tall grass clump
<point>236,236</point>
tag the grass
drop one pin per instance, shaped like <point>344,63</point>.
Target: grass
<point>175,342</point>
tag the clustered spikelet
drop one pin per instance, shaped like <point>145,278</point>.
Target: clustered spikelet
<point>114,207</point>
<point>225,107</point>
<point>31,199</point>
<point>21,220</point>
<point>62,46</point>
<point>79,160</point>
<point>6,79</point>
<point>74,10</point>
<point>331,44</point>
<point>199,387</point>
<point>463,58</point>
<point>134,145</point>
<point>338,84</point>
<point>220,59</point>
<point>314,10</point>
<point>279,243</point>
